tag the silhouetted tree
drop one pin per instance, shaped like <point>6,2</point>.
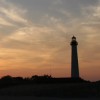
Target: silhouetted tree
<point>34,77</point>
<point>18,78</point>
<point>7,78</point>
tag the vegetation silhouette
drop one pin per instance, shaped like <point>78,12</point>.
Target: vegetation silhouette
<point>48,86</point>
<point>45,79</point>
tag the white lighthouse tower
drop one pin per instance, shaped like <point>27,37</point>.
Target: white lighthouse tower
<point>74,59</point>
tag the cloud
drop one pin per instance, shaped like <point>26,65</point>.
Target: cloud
<point>10,14</point>
<point>34,43</point>
<point>4,22</point>
<point>14,14</point>
<point>57,2</point>
<point>92,14</point>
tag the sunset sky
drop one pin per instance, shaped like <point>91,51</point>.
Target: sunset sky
<point>35,37</point>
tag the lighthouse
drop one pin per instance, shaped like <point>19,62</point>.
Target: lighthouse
<point>74,58</point>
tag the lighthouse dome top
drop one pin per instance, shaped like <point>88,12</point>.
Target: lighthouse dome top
<point>74,42</point>
<point>73,37</point>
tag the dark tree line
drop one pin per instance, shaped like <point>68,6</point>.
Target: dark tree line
<point>10,81</point>
<point>45,79</point>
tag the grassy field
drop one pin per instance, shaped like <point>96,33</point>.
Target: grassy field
<point>78,90</point>
<point>42,98</point>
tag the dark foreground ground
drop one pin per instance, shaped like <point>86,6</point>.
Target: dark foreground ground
<point>63,91</point>
<point>42,98</point>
